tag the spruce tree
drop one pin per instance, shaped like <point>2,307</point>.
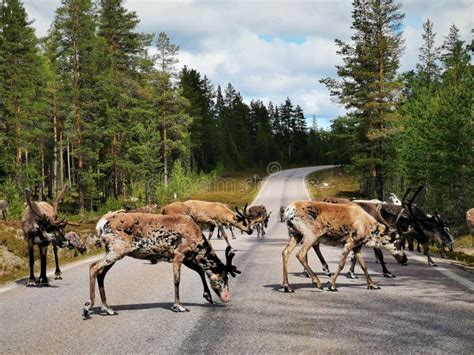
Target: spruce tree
<point>369,87</point>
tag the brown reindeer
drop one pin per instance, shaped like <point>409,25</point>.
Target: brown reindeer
<point>259,219</point>
<point>41,226</point>
<point>174,238</point>
<point>470,220</point>
<point>207,214</point>
<point>143,209</point>
<point>4,209</point>
<point>309,221</point>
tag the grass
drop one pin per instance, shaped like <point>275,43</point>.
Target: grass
<point>235,189</point>
<point>335,182</point>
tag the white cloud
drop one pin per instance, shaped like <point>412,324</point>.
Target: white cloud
<point>244,42</point>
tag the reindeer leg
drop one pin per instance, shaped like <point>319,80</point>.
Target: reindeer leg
<point>100,280</point>
<point>211,232</point>
<point>57,273</point>
<point>426,251</point>
<point>360,258</point>
<point>224,235</point>
<point>207,293</point>
<point>177,262</point>
<point>43,280</point>
<point>321,258</point>
<point>232,232</point>
<point>31,253</point>
<point>286,254</point>
<point>379,255</point>
<point>350,274</point>
<point>95,268</point>
<point>331,285</point>
<point>302,256</point>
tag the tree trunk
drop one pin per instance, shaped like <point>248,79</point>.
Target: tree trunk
<point>165,154</point>
<point>68,158</point>
<point>114,155</point>
<point>61,155</point>
<point>55,147</point>
<point>42,186</point>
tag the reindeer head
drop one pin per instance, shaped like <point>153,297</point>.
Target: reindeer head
<point>220,279</point>
<point>243,220</point>
<point>75,242</point>
<point>50,227</point>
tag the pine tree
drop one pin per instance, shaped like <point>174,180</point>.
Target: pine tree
<point>429,54</point>
<point>80,55</point>
<point>170,106</point>
<point>20,73</point>
<point>369,86</point>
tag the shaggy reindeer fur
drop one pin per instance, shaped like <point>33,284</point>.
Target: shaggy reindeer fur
<point>259,218</point>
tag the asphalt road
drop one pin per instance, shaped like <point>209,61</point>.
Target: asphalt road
<point>423,310</point>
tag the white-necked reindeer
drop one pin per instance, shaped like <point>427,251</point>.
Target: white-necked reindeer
<point>174,238</point>
<point>348,224</point>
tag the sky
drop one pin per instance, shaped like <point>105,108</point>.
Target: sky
<point>272,49</point>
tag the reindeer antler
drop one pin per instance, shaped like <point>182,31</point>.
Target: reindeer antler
<point>231,269</point>
<point>59,198</point>
<point>33,205</point>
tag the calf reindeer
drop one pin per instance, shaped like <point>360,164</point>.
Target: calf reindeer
<point>4,209</point>
<point>348,224</point>
<point>212,214</point>
<point>174,238</point>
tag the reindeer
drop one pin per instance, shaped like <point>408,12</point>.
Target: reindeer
<point>470,220</point>
<point>144,209</point>
<point>173,238</point>
<point>427,227</point>
<point>212,214</point>
<point>4,209</point>
<point>282,212</point>
<point>260,218</point>
<point>41,226</point>
<point>308,221</point>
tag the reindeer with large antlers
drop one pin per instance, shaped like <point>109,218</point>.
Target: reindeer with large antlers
<point>174,238</point>
<point>212,214</point>
<point>41,226</point>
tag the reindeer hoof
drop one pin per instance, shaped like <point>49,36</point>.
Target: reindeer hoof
<point>389,275</point>
<point>179,308</point>
<point>58,277</point>
<point>31,283</point>
<point>108,311</point>
<point>434,264</point>
<point>351,275</point>
<point>288,289</point>
<point>373,287</point>
<point>318,286</point>
<point>330,286</point>
<point>44,284</point>
<point>85,310</point>
<point>207,297</point>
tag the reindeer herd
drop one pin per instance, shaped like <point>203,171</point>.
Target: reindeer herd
<point>176,235</point>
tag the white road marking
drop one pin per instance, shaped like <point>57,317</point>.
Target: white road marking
<point>448,273</point>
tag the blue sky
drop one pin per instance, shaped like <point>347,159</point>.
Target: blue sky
<point>272,49</point>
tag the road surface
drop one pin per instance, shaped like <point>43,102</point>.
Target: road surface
<point>424,309</point>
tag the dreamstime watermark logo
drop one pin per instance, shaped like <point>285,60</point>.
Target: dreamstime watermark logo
<point>273,167</point>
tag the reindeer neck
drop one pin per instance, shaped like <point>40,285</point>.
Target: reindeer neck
<point>207,258</point>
